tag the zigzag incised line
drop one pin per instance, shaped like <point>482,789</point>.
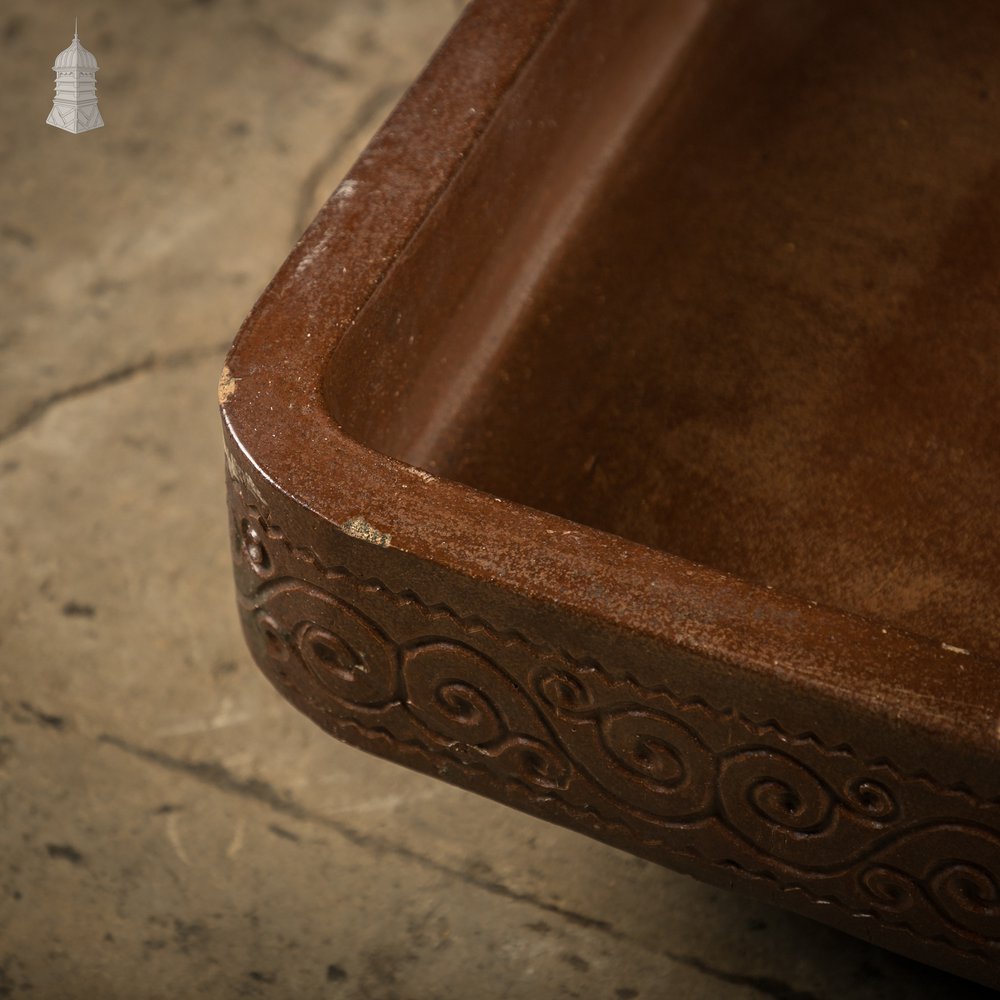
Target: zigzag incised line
<point>475,622</point>
<point>954,903</point>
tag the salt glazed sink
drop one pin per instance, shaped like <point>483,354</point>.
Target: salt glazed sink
<point>620,442</point>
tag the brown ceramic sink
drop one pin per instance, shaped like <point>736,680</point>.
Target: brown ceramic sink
<point>621,442</point>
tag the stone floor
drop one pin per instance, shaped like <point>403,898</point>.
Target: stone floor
<point>168,826</point>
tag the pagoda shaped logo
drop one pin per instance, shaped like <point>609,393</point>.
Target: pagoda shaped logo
<point>75,106</point>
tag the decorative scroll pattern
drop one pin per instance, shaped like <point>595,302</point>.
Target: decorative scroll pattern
<point>564,738</point>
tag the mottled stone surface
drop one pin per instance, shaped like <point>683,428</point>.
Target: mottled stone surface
<point>169,826</point>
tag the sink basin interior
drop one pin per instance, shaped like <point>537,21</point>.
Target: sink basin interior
<point>728,285</point>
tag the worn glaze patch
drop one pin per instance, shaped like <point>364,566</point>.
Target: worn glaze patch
<point>358,527</point>
<point>227,386</point>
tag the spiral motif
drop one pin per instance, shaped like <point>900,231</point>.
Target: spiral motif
<point>774,801</point>
<point>889,889</point>
<point>966,894</point>
<point>871,799</point>
<point>445,690</point>
<point>640,742</point>
<point>781,803</point>
<point>969,895</point>
<point>535,763</point>
<point>954,869</point>
<point>356,663</point>
<point>563,692</point>
<point>649,760</point>
<point>463,713</point>
<point>252,548</point>
<point>275,645</point>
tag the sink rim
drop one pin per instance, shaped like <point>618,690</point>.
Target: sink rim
<point>272,403</point>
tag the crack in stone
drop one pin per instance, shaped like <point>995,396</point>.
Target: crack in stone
<point>152,362</point>
<point>221,778</point>
<point>218,776</point>
<point>17,235</point>
<point>769,986</point>
<point>271,35</point>
<point>362,119</point>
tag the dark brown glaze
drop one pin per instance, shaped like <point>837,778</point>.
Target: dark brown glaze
<point>620,442</point>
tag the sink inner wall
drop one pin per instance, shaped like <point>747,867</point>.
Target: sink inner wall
<point>768,337</point>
